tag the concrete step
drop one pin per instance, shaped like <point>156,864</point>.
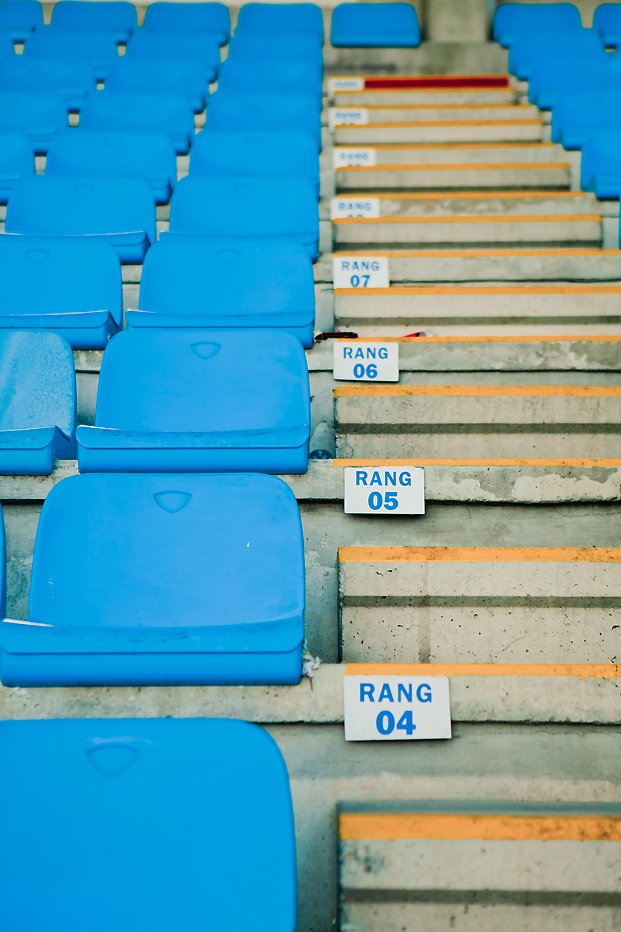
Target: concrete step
<point>464,230</point>
<point>430,97</point>
<point>443,176</point>
<point>469,865</point>
<point>466,421</point>
<point>481,204</point>
<point>472,153</point>
<point>466,310</point>
<point>448,113</point>
<point>439,131</point>
<point>492,265</point>
<point>480,604</point>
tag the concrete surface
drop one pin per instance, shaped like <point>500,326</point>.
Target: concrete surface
<point>440,176</point>
<point>438,131</point>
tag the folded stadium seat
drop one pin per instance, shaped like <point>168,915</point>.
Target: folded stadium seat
<point>118,797</point>
<point>514,19</point>
<point>577,114</point>
<point>189,17</point>
<point>200,47</point>
<point>375,25</point>
<point>97,49</point>
<point>600,169</point>
<point>38,116</point>
<point>607,21</point>
<point>227,284</point>
<point>7,46</point>
<point>142,579</point>
<point>2,565</point>
<point>103,154</point>
<point>119,211</point>
<point>190,401</point>
<point>116,17</point>
<point>37,402</point>
<point>150,113</point>
<point>285,47</point>
<point>67,284</point>
<point>528,50</point>
<point>263,19</point>
<point>267,77</point>
<point>19,17</point>
<point>16,161</point>
<point>284,206</point>
<point>235,112</point>
<point>72,80</point>
<point>133,75</point>
<point>558,76</point>
<point>275,152</point>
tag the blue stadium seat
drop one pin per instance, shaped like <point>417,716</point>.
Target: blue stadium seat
<point>96,49</point>
<point>2,566</point>
<point>67,284</point>
<point>37,402</point>
<point>7,46</point>
<point>72,80</point>
<point>190,401</point>
<point>116,17</point>
<point>267,77</point>
<point>578,113</point>
<point>19,17</point>
<point>38,116</point>
<point>156,821</point>
<point>284,206</point>
<point>119,211</point>
<point>375,25</point>
<point>199,47</point>
<point>233,112</point>
<point>275,152</point>
<point>189,17</point>
<point>514,19</point>
<point>161,579</point>
<point>552,80</point>
<point>281,47</point>
<point>263,19</point>
<point>132,75</point>
<point>600,169</point>
<point>529,50</point>
<point>145,113</point>
<point>16,161</point>
<point>227,284</point>
<point>103,154</point>
<point>607,22</point>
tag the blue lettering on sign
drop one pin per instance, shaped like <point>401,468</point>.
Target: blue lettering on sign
<point>407,693</point>
<point>389,478</point>
<point>366,692</point>
<point>385,693</point>
<point>361,477</point>
<point>383,352</point>
<point>404,692</point>
<point>375,479</point>
<point>405,478</point>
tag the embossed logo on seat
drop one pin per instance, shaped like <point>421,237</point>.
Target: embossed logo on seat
<point>228,255</point>
<point>206,350</point>
<point>37,255</point>
<point>172,502</point>
<point>112,759</point>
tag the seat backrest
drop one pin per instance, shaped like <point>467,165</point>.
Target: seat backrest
<point>32,112</point>
<point>79,207</point>
<point>276,152</point>
<point>194,550</point>
<point>228,276</point>
<point>297,46</point>
<point>46,74</point>
<point>7,48</point>
<point>243,206</point>
<point>66,43</point>
<point>108,110</point>
<point>130,74</point>
<point>19,17</point>
<point>116,16</point>
<point>189,17</point>
<point>176,46</point>
<point>16,156</point>
<point>266,19</point>
<point>108,154</point>
<point>63,275</point>
<point>37,381</point>
<point>607,18</point>
<point>369,17</point>
<point>146,824</point>
<point>233,112</point>
<point>271,77</point>
<point>512,19</point>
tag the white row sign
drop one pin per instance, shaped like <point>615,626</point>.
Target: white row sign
<point>344,84</point>
<point>354,207</point>
<point>384,490</point>
<point>348,157</point>
<point>365,362</point>
<point>396,708</point>
<point>347,116</point>
<point>360,271</point>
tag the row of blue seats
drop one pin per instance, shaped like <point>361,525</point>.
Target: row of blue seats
<point>168,400</point>
<point>515,21</point>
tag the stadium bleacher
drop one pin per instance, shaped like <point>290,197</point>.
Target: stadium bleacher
<point>187,185</point>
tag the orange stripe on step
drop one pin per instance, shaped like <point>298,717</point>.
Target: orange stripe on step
<point>414,461</point>
<point>432,146</point>
<point>390,826</point>
<point>479,555</point>
<point>476,339</point>
<point>477,253</point>
<point>455,106</point>
<point>432,290</point>
<point>477,391</point>
<point>497,218</point>
<point>457,166</point>
<point>582,670</point>
<point>417,124</point>
<point>462,195</point>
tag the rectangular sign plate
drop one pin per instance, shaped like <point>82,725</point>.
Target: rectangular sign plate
<point>360,271</point>
<point>344,84</point>
<point>384,490</point>
<point>396,708</point>
<point>365,362</point>
<point>354,207</point>
<point>347,116</point>
<point>347,157</point>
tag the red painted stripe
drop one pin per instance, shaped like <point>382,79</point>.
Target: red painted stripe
<point>437,81</point>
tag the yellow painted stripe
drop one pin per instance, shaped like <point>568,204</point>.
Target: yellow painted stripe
<point>479,555</point>
<point>455,106</point>
<point>497,218</point>
<point>415,461</point>
<point>463,290</point>
<point>417,124</point>
<point>457,166</point>
<point>463,195</point>
<point>391,826</point>
<point>405,146</point>
<point>604,671</point>
<point>476,339</point>
<point>477,253</point>
<point>477,391</point>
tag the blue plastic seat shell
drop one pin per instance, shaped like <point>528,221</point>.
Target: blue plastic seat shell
<point>375,25</point>
<point>16,162</point>
<point>39,116</point>
<point>117,17</point>
<point>18,18</point>
<point>514,19</point>
<point>189,17</point>
<point>266,19</point>
<point>152,113</point>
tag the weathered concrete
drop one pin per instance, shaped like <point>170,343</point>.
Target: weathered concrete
<point>480,605</point>
<point>465,310</point>
<point>438,131</point>
<point>458,20</point>
<point>402,111</point>
<point>430,58</point>
<point>439,176</point>
<point>420,154</point>
<point>490,204</point>
<point>429,97</point>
